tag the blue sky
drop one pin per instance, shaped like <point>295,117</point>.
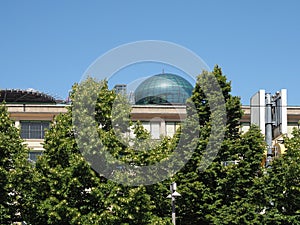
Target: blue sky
<point>48,45</point>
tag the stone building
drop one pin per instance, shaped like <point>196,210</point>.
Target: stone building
<point>159,103</point>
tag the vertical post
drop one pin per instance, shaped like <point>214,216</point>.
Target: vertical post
<point>173,211</point>
<point>172,196</point>
<point>173,203</point>
<point>269,126</point>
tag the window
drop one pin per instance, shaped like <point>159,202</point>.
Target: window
<point>153,127</point>
<point>146,125</point>
<point>33,155</point>
<point>171,128</point>
<point>245,126</point>
<point>155,130</point>
<point>34,129</point>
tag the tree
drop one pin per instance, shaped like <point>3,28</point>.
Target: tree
<point>67,190</point>
<point>282,185</point>
<point>239,190</point>
<point>69,186</point>
<point>233,104</point>
<point>210,193</point>
<point>15,170</point>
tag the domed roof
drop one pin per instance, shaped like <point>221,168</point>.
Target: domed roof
<point>163,89</point>
<point>25,96</point>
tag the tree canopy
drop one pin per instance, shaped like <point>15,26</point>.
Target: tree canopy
<point>222,182</point>
<point>15,170</point>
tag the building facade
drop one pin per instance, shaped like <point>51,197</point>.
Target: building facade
<point>159,106</point>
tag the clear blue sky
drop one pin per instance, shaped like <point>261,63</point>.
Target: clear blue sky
<point>47,45</point>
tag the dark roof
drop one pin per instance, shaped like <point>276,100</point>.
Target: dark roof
<point>25,96</point>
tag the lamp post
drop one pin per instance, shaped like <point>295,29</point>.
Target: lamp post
<point>172,196</point>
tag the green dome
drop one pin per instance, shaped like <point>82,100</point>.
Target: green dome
<point>163,89</point>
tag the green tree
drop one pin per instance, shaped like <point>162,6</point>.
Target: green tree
<point>15,170</point>
<point>239,189</point>
<point>66,189</point>
<point>282,185</point>
<point>233,104</point>
<point>207,194</point>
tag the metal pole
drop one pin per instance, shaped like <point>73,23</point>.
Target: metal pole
<point>172,196</point>
<point>269,126</point>
<point>173,211</point>
<point>173,188</point>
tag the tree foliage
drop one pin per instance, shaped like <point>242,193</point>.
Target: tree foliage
<point>15,170</point>
<point>238,189</point>
<point>67,190</point>
<point>282,185</point>
<point>220,194</point>
<point>66,185</point>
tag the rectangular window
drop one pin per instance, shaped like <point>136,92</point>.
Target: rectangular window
<point>155,130</point>
<point>34,129</point>
<point>146,125</point>
<point>33,155</point>
<point>245,126</point>
<point>171,128</point>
